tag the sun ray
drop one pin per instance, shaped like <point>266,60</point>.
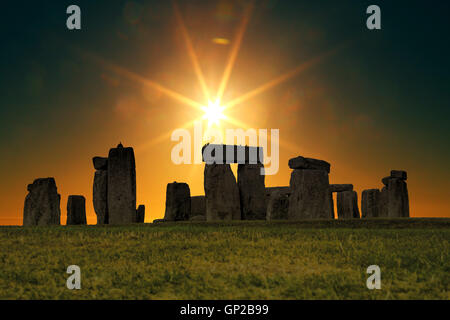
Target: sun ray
<point>191,51</point>
<point>234,50</point>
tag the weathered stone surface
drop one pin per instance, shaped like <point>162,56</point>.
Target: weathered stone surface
<point>370,203</point>
<point>309,163</point>
<point>221,193</point>
<point>277,203</point>
<point>197,218</point>
<point>198,206</point>
<point>42,204</point>
<point>76,210</point>
<point>341,187</point>
<point>100,163</point>
<point>400,174</point>
<point>347,205</point>
<point>178,202</point>
<point>310,195</point>
<point>100,196</point>
<point>140,214</point>
<point>121,186</point>
<point>252,191</point>
<point>394,199</point>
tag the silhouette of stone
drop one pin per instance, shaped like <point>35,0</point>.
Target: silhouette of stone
<point>370,203</point>
<point>100,163</point>
<point>309,163</point>
<point>140,214</point>
<point>252,191</point>
<point>347,205</point>
<point>178,202</point>
<point>42,204</point>
<point>198,206</point>
<point>394,201</point>
<point>385,180</point>
<point>221,193</point>
<point>310,195</point>
<point>400,174</point>
<point>277,203</point>
<point>197,218</point>
<point>100,196</point>
<point>341,187</point>
<point>76,210</point>
<point>121,186</point>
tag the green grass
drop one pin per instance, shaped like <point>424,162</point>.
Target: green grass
<point>236,260</point>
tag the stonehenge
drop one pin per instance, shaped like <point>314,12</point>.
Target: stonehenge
<point>198,208</point>
<point>370,203</point>
<point>347,205</point>
<point>100,196</point>
<point>341,187</point>
<point>140,214</point>
<point>178,202</point>
<point>309,163</point>
<point>252,191</point>
<point>277,200</point>
<point>42,203</point>
<point>76,210</point>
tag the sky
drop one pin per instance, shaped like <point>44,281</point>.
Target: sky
<point>367,101</point>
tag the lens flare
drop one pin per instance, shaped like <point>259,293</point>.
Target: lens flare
<point>213,113</point>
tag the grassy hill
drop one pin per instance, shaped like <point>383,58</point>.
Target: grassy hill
<point>235,260</point>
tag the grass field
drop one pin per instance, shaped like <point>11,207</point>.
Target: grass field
<point>236,260</point>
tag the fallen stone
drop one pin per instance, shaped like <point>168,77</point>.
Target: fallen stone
<point>252,191</point>
<point>400,174</point>
<point>178,202</point>
<point>100,196</point>
<point>140,214</point>
<point>42,204</point>
<point>277,203</point>
<point>121,186</point>
<point>198,206</point>
<point>341,187</point>
<point>221,193</point>
<point>197,218</point>
<point>347,205</point>
<point>76,210</point>
<point>310,195</point>
<point>370,203</point>
<point>309,163</point>
<point>100,163</point>
<point>394,199</point>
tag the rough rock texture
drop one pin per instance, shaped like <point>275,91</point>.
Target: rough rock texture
<point>198,206</point>
<point>277,203</point>
<point>341,187</point>
<point>121,186</point>
<point>394,201</point>
<point>400,174</point>
<point>310,195</point>
<point>178,202</point>
<point>221,193</point>
<point>370,203</point>
<point>100,196</point>
<point>42,204</point>
<point>140,214</point>
<point>252,191</point>
<point>347,205</point>
<point>197,218</point>
<point>76,210</point>
<point>309,163</point>
<point>100,163</point>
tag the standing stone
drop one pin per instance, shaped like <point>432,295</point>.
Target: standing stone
<point>121,186</point>
<point>140,214</point>
<point>42,204</point>
<point>400,174</point>
<point>198,206</point>
<point>100,196</point>
<point>309,163</point>
<point>100,163</point>
<point>277,203</point>
<point>370,203</point>
<point>310,195</point>
<point>347,205</point>
<point>221,193</point>
<point>341,187</point>
<point>394,199</point>
<point>252,191</point>
<point>178,202</point>
<point>76,210</point>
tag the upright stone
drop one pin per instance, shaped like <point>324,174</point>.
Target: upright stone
<point>76,210</point>
<point>100,163</point>
<point>347,205</point>
<point>221,193</point>
<point>370,203</point>
<point>178,202</point>
<point>42,204</point>
<point>252,191</point>
<point>140,214</point>
<point>121,186</point>
<point>198,206</point>
<point>100,196</point>
<point>310,195</point>
<point>394,199</point>
<point>277,203</point>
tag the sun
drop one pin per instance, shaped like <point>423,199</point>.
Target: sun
<point>213,112</point>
